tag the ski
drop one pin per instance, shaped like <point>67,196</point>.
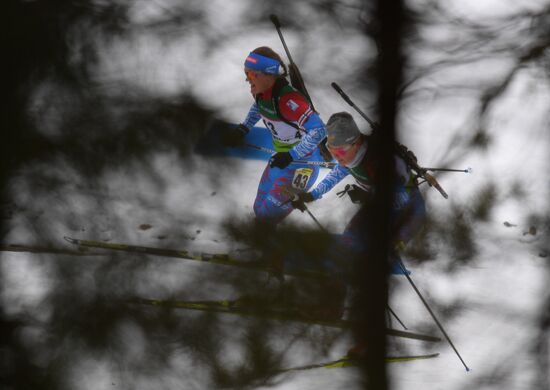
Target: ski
<point>214,258</point>
<point>44,249</point>
<point>353,362</point>
<point>257,309</point>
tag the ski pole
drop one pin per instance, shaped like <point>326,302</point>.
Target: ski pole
<point>292,196</point>
<point>401,149</point>
<point>372,124</point>
<point>295,74</point>
<point>323,164</point>
<point>277,24</point>
<point>315,219</point>
<point>431,313</point>
<point>467,170</point>
<point>396,317</point>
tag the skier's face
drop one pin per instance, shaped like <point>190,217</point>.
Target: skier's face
<point>346,153</point>
<point>259,82</point>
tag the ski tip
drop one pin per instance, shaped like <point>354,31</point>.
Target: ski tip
<point>469,170</point>
<point>69,239</point>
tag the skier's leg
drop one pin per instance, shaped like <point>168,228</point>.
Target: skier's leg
<point>409,221</point>
<point>271,203</point>
<point>406,223</point>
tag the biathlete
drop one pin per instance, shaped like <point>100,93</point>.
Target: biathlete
<point>296,130</point>
<point>351,150</point>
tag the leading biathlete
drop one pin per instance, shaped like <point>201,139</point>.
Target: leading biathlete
<point>296,130</point>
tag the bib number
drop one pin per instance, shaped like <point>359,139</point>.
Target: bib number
<point>271,128</point>
<point>301,178</point>
<point>283,132</point>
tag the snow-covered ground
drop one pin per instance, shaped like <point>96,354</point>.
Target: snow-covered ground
<point>500,291</point>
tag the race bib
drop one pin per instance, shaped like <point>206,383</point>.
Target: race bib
<point>282,132</point>
<point>301,178</point>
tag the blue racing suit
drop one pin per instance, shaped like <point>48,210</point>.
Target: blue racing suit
<point>295,128</point>
<point>408,208</point>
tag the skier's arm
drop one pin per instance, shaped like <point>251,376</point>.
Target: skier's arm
<point>402,172</point>
<point>404,180</point>
<point>253,117</point>
<point>316,132</point>
<point>335,176</point>
<point>294,107</point>
<point>234,135</point>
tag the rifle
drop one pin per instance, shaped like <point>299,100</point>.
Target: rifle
<point>400,149</point>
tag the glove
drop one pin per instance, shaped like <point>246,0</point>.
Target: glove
<point>233,136</point>
<point>356,194</point>
<point>280,160</point>
<point>299,200</point>
<point>359,195</point>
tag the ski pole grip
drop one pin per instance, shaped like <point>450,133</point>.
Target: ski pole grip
<point>275,20</point>
<point>342,93</point>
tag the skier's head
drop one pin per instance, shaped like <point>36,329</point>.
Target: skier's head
<point>262,67</point>
<point>343,137</point>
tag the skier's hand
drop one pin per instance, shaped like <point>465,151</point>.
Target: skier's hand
<point>280,160</point>
<point>356,194</point>
<point>299,200</point>
<point>233,136</point>
<point>359,195</point>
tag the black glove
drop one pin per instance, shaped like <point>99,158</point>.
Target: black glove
<point>299,200</point>
<point>233,136</point>
<point>356,194</point>
<point>280,160</point>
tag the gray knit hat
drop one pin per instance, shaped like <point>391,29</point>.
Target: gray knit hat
<point>342,129</point>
